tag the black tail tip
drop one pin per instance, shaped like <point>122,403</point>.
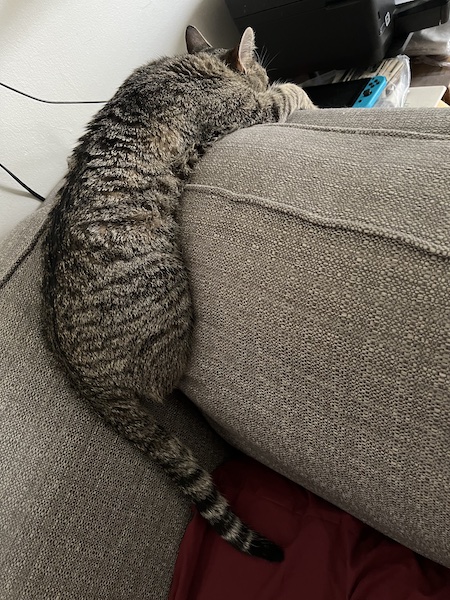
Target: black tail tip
<point>263,548</point>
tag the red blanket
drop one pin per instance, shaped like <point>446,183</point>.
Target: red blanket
<point>329,555</point>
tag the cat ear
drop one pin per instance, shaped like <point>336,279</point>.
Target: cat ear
<point>243,54</point>
<point>195,42</point>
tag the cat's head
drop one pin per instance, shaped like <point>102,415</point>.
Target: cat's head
<point>241,59</point>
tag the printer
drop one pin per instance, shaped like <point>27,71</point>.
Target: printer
<point>304,36</point>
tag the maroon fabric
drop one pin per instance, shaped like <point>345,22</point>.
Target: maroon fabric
<point>329,555</point>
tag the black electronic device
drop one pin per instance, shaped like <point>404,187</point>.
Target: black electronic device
<point>357,93</point>
<point>303,36</point>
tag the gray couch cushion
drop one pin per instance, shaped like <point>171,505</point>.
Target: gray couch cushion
<point>319,257</point>
<point>82,514</point>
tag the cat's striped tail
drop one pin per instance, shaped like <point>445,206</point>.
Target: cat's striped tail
<point>132,421</point>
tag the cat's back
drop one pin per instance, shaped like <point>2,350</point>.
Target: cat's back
<point>117,305</point>
<point>115,287</point>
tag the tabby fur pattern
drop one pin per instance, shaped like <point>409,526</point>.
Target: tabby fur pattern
<point>116,294</point>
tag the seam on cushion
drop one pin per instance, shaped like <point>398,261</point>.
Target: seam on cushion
<point>359,226</point>
<point>363,131</point>
<point>22,256</point>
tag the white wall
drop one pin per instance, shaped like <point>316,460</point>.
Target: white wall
<point>77,50</point>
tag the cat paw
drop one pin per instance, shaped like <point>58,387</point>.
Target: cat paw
<point>298,97</point>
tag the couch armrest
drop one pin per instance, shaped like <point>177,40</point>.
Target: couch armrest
<point>319,253</point>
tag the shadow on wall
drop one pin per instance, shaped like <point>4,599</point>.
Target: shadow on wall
<point>220,31</point>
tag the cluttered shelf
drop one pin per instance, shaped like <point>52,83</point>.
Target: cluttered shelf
<point>394,82</point>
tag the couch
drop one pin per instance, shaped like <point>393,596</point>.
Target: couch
<point>319,257</point>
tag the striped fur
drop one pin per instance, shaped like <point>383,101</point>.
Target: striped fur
<point>116,293</point>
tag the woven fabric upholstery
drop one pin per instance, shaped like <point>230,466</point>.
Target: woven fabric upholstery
<point>319,254</point>
<point>82,514</point>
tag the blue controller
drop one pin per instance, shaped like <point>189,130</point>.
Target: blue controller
<point>371,92</point>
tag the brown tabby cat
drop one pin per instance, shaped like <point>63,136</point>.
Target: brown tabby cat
<point>118,308</point>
